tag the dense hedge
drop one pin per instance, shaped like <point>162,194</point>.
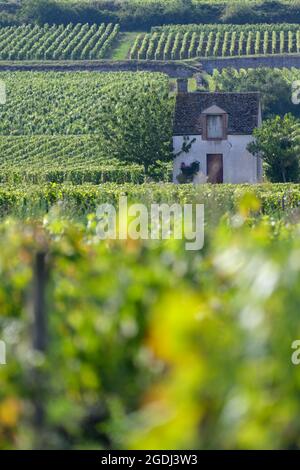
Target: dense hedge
<point>141,15</point>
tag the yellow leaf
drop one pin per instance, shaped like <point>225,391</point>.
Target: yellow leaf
<point>10,410</point>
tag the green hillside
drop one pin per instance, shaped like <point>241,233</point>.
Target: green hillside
<point>83,126</point>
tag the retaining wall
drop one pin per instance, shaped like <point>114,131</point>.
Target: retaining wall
<point>275,61</point>
<point>173,69</point>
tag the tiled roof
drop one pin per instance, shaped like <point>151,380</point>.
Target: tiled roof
<point>242,110</point>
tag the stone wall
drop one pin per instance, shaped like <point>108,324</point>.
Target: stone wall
<point>278,61</point>
<point>172,68</point>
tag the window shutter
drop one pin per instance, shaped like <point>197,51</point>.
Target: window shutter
<point>215,127</point>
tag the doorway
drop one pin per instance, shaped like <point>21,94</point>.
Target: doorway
<point>214,162</point>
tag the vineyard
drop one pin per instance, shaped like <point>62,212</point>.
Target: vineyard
<point>250,79</point>
<point>109,304</point>
<point>73,103</point>
<point>234,75</point>
<point>83,126</point>
<point>82,199</point>
<point>57,42</point>
<point>133,341</point>
<point>168,42</point>
<point>189,41</point>
<point>76,159</point>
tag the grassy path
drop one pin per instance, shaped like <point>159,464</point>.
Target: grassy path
<point>123,45</point>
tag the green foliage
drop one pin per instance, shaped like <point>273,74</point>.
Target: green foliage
<point>81,199</point>
<point>141,128</point>
<point>176,41</point>
<point>77,159</point>
<point>274,144</point>
<point>39,11</point>
<point>84,120</point>
<point>240,389</point>
<point>125,318</point>
<point>142,14</point>
<point>56,42</point>
<point>274,86</point>
<point>239,12</point>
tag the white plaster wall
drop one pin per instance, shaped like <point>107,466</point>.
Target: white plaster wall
<point>239,166</point>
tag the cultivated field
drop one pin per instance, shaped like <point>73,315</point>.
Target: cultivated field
<point>186,42</point>
<point>230,310</point>
<point>57,42</point>
<point>58,126</point>
<point>124,342</point>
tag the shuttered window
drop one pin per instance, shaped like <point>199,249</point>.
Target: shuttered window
<point>215,127</point>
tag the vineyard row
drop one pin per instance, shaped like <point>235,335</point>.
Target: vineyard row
<point>223,43</point>
<point>57,42</point>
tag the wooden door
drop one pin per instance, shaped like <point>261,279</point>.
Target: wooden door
<point>214,162</point>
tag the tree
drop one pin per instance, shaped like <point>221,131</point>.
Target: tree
<point>41,11</point>
<point>239,13</point>
<point>135,120</point>
<point>275,144</point>
<point>274,88</point>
